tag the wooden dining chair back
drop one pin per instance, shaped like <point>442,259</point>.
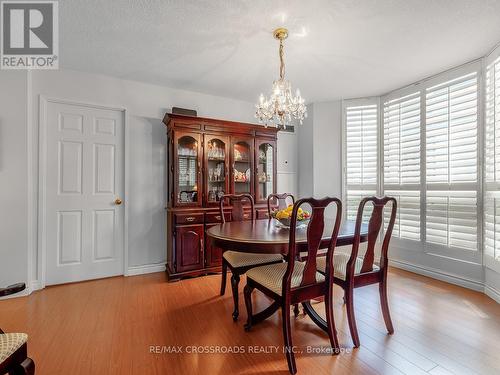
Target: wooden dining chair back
<point>314,236</point>
<point>374,228</point>
<point>237,204</point>
<point>14,346</point>
<point>279,200</point>
<point>239,262</point>
<point>294,281</point>
<point>355,271</point>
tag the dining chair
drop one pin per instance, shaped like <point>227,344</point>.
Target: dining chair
<point>281,199</point>
<point>296,281</point>
<point>237,261</point>
<point>14,358</point>
<point>355,271</point>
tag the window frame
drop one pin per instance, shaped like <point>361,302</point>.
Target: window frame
<point>357,103</point>
<point>409,91</point>
<point>489,262</point>
<point>455,253</point>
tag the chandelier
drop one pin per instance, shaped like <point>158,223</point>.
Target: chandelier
<point>281,106</point>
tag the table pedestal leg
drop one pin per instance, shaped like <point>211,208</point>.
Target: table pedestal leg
<point>264,314</point>
<point>315,317</point>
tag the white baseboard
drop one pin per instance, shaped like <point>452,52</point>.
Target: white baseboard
<point>440,275</point>
<point>36,285</point>
<point>492,293</point>
<point>147,268</point>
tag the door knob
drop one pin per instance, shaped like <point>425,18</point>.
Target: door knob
<point>118,201</point>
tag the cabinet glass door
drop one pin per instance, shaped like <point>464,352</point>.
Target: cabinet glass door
<point>265,170</point>
<point>242,167</point>
<point>188,169</point>
<point>215,168</point>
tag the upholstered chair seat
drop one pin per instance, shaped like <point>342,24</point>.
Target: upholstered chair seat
<point>340,265</point>
<point>240,262</point>
<point>10,342</point>
<point>240,259</point>
<point>271,276</point>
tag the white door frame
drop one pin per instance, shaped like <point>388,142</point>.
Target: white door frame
<point>42,180</point>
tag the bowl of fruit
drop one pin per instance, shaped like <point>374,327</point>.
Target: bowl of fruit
<point>284,216</point>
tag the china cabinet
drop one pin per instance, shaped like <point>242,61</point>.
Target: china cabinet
<point>207,158</point>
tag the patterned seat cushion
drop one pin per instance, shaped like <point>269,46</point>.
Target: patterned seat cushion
<point>240,259</point>
<point>10,342</point>
<point>340,265</point>
<point>271,276</point>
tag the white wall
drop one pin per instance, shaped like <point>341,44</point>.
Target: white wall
<point>327,149</point>
<point>13,178</point>
<point>320,150</point>
<point>287,163</point>
<point>306,154</point>
<point>146,105</point>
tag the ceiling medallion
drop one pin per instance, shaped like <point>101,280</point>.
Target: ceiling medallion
<point>281,106</point>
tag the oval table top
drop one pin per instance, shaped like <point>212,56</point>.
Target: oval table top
<point>267,236</point>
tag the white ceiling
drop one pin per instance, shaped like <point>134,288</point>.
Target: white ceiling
<point>225,47</point>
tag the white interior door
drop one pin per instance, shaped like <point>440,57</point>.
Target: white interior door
<point>84,183</point>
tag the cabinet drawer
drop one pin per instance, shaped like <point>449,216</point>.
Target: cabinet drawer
<point>188,218</point>
<point>216,218</point>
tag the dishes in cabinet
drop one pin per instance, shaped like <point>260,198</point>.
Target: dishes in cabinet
<point>237,155</point>
<point>184,151</point>
<point>215,152</point>
<point>240,176</point>
<point>262,177</point>
<point>262,156</point>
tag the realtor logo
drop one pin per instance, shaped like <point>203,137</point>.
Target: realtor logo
<point>30,37</point>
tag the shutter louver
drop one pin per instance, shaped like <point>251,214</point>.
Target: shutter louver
<point>402,163</point>
<point>451,131</point>
<point>361,145</point>
<point>451,163</point>
<point>492,225</point>
<point>361,155</point>
<point>451,218</point>
<point>402,140</point>
<point>407,225</point>
<point>492,163</point>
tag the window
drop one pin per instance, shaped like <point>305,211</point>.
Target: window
<point>492,164</point>
<point>451,162</point>
<point>360,154</point>
<point>429,161</point>
<point>401,165</point>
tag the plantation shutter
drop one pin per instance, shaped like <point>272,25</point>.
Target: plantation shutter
<point>361,155</point>
<point>402,163</point>
<point>451,163</point>
<point>492,163</point>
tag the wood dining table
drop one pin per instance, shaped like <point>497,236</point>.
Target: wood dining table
<point>268,236</point>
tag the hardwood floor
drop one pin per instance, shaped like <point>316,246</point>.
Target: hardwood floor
<point>109,326</point>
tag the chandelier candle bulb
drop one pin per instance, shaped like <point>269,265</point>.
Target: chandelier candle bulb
<point>281,106</point>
